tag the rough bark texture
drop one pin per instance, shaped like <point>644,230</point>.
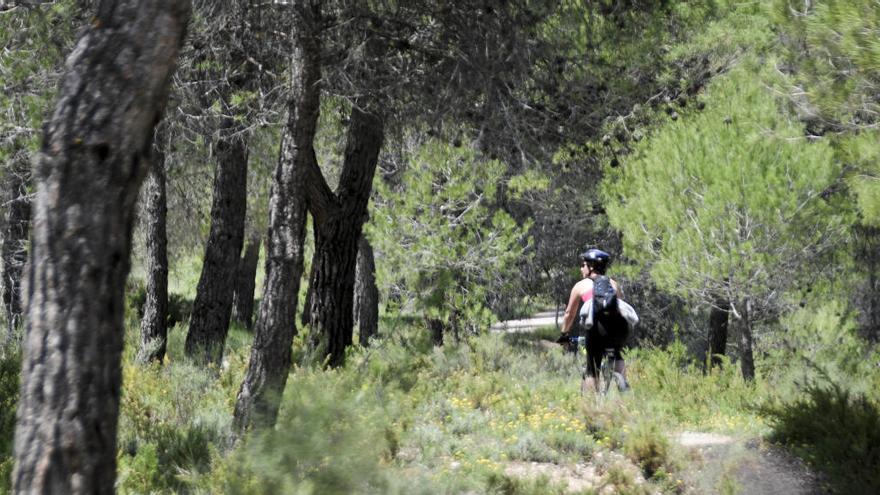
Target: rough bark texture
<point>154,324</point>
<point>95,154</point>
<point>746,356</point>
<point>260,393</point>
<point>718,324</point>
<point>338,221</point>
<point>245,284</point>
<point>15,236</point>
<point>366,293</point>
<point>212,307</point>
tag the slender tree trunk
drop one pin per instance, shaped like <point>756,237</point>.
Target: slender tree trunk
<point>95,154</point>
<point>366,294</point>
<point>747,360</point>
<point>212,308</point>
<point>15,236</point>
<point>154,324</point>
<point>718,324</point>
<point>338,222</point>
<point>260,393</point>
<point>245,284</point>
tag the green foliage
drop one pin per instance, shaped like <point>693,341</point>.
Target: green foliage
<point>673,387</point>
<point>10,365</point>
<point>442,241</point>
<point>726,198</point>
<point>833,48</point>
<point>836,430</point>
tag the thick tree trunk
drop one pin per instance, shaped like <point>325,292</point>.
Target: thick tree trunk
<point>338,222</point>
<point>245,284</point>
<point>154,324</point>
<point>95,154</point>
<point>719,316</point>
<point>366,294</point>
<point>212,307</point>
<point>260,393</point>
<point>746,357</point>
<point>15,236</point>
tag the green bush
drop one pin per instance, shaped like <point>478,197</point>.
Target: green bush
<point>834,429</point>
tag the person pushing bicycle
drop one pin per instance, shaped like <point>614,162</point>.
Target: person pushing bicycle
<point>608,328</point>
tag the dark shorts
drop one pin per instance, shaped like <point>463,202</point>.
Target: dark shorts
<point>610,332</point>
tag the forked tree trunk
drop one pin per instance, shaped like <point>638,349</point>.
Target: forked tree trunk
<point>95,154</point>
<point>747,360</point>
<point>338,222</point>
<point>212,308</point>
<point>154,324</point>
<point>719,316</point>
<point>15,236</point>
<point>245,284</point>
<point>366,294</point>
<point>260,393</point>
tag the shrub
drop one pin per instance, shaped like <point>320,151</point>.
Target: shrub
<point>834,429</point>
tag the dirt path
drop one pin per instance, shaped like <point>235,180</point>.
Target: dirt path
<point>540,320</point>
<point>723,464</point>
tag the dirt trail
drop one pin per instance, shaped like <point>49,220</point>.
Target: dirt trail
<point>723,464</point>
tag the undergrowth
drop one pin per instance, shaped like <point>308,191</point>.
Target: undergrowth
<point>405,417</point>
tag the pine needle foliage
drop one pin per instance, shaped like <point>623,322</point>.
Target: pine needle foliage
<point>726,200</point>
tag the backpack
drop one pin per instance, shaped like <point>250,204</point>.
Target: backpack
<point>604,297</point>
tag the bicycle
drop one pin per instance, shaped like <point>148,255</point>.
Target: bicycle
<point>607,375</point>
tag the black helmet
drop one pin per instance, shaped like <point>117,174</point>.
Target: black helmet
<point>597,259</point>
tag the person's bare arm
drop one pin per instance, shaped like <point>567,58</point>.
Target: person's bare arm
<point>571,309</point>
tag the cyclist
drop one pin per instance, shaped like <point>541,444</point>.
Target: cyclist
<point>606,332</point>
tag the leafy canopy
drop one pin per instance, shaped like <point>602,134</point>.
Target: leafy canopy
<point>443,242</point>
<point>728,199</point>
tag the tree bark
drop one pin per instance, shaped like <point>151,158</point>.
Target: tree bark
<point>338,220</point>
<point>154,324</point>
<point>747,360</point>
<point>260,393</point>
<point>436,327</point>
<point>95,154</point>
<point>212,308</point>
<point>718,324</point>
<point>15,236</point>
<point>245,284</point>
<point>366,294</point>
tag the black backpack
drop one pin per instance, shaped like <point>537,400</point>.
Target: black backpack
<point>604,297</point>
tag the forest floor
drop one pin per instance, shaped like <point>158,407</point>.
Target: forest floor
<point>731,463</point>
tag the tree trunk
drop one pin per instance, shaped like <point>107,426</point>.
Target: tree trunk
<point>436,327</point>
<point>212,307</point>
<point>366,294</point>
<point>338,221</point>
<point>718,324</point>
<point>15,236</point>
<point>154,324</point>
<point>260,393</point>
<point>95,154</point>
<point>747,360</point>
<point>243,301</point>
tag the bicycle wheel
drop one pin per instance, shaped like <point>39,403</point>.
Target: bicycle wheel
<point>606,374</point>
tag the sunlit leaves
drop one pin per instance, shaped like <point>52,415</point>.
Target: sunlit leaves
<point>726,197</point>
